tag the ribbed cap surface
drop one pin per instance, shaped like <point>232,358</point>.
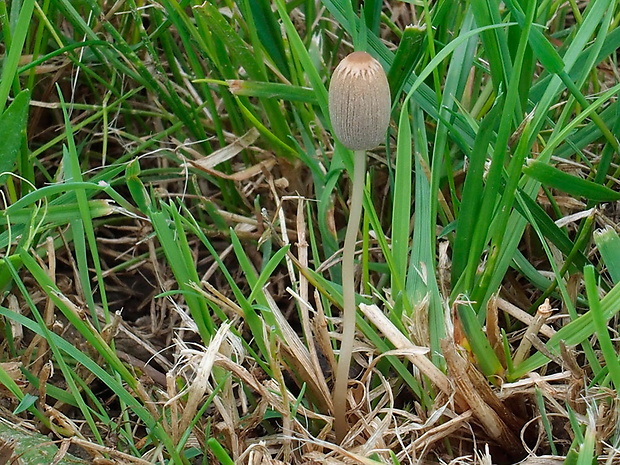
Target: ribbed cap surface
<point>359,102</point>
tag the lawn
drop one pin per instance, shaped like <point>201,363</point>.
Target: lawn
<point>207,257</point>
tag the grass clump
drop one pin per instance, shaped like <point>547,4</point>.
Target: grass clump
<point>175,210</point>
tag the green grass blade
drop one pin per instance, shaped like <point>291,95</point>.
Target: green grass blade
<point>372,15</point>
<point>407,55</point>
<point>577,187</point>
<point>252,319</point>
<point>301,54</point>
<point>13,54</point>
<point>242,55</point>
<point>540,401</point>
<point>421,281</point>
<point>84,224</point>
<point>271,90</point>
<point>219,452</point>
<point>600,324</point>
<point>401,212</point>
<point>86,330</point>
<point>456,78</point>
<point>270,34</point>
<point>266,272</point>
<point>516,225</point>
<point>586,451</point>
<point>485,355</point>
<point>549,229</point>
<point>495,41</point>
<point>172,237</point>
<point>13,127</point>
<point>471,200</point>
<point>57,215</point>
<point>608,244</point>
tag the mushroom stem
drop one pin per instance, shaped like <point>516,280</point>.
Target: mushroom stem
<point>348,296</point>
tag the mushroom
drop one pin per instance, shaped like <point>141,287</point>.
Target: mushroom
<point>359,109</point>
<point>359,102</point>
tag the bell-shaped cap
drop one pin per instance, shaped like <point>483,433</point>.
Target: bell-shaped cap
<point>359,102</point>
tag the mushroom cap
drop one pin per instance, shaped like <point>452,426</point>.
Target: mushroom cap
<point>359,102</point>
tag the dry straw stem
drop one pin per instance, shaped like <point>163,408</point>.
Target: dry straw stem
<point>523,316</point>
<point>475,393</point>
<point>359,109</point>
<point>493,330</point>
<point>542,314</point>
<point>98,450</point>
<point>298,357</point>
<point>469,388</point>
<point>401,342</point>
<point>199,385</point>
<point>442,431</point>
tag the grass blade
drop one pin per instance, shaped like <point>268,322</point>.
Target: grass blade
<point>13,126</point>
<point>608,244</point>
<point>12,55</point>
<point>577,187</point>
<point>600,324</point>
